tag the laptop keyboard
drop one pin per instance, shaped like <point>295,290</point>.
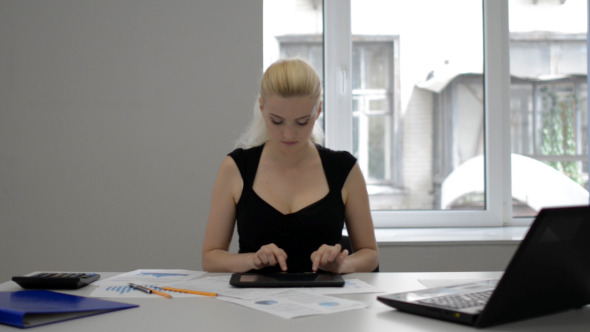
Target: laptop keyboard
<point>460,301</point>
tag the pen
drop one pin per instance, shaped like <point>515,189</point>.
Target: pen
<point>149,290</point>
<point>189,291</point>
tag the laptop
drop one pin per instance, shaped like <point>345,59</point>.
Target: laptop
<point>284,279</point>
<point>549,272</point>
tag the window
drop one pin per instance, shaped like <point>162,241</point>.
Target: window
<point>373,102</point>
<point>548,104</point>
<point>441,141</point>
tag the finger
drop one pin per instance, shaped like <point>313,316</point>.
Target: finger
<point>324,255</point>
<point>272,261</point>
<point>272,255</point>
<point>257,262</point>
<point>277,256</point>
<point>330,254</point>
<point>315,261</point>
<point>263,259</point>
<point>335,251</point>
<point>282,259</point>
<point>264,254</point>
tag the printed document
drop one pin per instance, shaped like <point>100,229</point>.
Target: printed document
<point>292,303</point>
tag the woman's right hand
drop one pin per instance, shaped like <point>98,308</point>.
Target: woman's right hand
<point>270,255</point>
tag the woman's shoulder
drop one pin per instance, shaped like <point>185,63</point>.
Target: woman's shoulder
<point>342,155</point>
<point>243,152</point>
<point>337,163</point>
<point>246,159</point>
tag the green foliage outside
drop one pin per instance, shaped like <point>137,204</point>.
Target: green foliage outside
<point>559,134</point>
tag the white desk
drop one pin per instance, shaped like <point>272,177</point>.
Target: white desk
<point>208,314</point>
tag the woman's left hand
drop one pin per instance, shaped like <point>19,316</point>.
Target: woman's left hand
<point>329,258</point>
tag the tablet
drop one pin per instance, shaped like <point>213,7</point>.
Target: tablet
<point>284,279</point>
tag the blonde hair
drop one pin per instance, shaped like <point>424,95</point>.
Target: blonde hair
<point>284,78</point>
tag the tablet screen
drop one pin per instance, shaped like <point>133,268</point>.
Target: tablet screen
<point>302,279</point>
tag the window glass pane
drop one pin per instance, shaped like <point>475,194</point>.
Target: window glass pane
<point>570,54</point>
<point>548,61</point>
<point>293,28</point>
<point>418,102</point>
<point>521,104</point>
<point>372,64</point>
<point>372,95</point>
<point>529,59</point>
<point>377,133</point>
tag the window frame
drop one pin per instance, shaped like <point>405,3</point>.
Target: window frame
<point>392,160</point>
<point>338,115</point>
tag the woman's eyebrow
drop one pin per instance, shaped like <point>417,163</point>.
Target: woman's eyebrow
<point>301,118</point>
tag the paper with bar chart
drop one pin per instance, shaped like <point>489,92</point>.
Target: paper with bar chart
<point>118,286</point>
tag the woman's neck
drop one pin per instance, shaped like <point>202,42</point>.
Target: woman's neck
<point>289,158</point>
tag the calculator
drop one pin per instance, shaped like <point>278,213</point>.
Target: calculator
<point>56,280</point>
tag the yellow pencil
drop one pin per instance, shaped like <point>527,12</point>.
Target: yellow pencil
<point>149,290</point>
<point>189,291</point>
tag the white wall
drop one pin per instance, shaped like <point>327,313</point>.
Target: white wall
<point>435,257</point>
<point>114,118</point>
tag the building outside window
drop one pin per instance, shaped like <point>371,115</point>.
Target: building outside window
<point>420,119</point>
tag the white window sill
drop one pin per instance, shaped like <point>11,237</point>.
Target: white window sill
<point>450,236</point>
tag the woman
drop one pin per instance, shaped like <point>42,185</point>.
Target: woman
<point>289,196</point>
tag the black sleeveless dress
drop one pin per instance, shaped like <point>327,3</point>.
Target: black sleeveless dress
<point>299,233</point>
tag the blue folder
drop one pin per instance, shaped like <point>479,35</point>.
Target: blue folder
<point>29,308</point>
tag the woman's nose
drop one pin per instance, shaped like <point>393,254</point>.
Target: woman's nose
<point>289,132</point>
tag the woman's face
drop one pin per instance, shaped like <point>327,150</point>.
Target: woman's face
<point>290,120</point>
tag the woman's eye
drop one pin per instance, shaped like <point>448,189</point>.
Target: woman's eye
<point>277,122</point>
<point>303,123</point>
